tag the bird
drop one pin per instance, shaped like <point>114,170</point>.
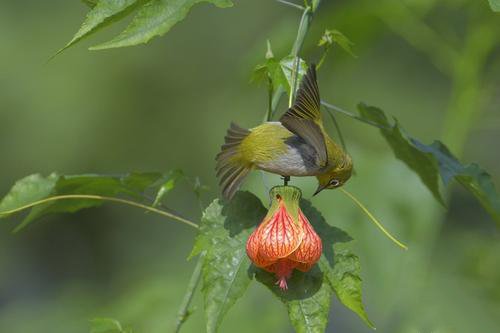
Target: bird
<point>295,146</point>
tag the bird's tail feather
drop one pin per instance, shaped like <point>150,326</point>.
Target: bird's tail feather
<point>231,168</point>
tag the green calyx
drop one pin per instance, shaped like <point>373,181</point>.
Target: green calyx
<point>289,196</point>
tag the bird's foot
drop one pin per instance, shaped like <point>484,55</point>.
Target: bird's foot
<point>286,179</point>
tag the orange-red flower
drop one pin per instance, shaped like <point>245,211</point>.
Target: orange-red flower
<point>285,240</point>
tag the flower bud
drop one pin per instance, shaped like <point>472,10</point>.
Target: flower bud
<point>285,240</point>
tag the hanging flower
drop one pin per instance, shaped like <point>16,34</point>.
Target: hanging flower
<point>285,240</point>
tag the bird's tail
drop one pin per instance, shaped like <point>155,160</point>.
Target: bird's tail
<point>231,168</point>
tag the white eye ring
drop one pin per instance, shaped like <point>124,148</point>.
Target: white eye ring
<point>334,182</point>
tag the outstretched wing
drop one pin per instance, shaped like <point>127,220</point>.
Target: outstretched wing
<point>304,117</point>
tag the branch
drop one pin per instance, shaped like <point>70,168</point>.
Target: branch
<point>188,297</point>
<point>305,22</point>
<point>101,198</point>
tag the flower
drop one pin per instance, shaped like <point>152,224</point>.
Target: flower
<point>285,240</point>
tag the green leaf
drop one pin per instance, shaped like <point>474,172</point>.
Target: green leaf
<point>27,190</point>
<point>339,264</point>
<point>495,5</point>
<point>103,12</point>
<point>168,185</point>
<point>153,19</point>
<point>36,187</point>
<point>307,299</point>
<point>289,66</point>
<point>421,162</point>
<point>433,161</point>
<point>280,72</point>
<point>475,179</point>
<point>106,325</point>
<point>223,234</point>
<point>331,37</point>
<point>90,3</point>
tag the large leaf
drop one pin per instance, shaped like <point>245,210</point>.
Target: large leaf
<point>433,161</point>
<point>495,5</point>
<point>419,161</point>
<point>102,13</point>
<point>223,234</point>
<point>153,19</point>
<point>339,264</point>
<point>36,187</point>
<point>307,299</point>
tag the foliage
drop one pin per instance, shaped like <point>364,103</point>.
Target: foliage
<point>153,18</point>
<point>432,161</point>
<point>227,271</point>
<point>495,5</point>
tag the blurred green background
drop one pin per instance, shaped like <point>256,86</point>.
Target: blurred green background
<point>167,105</point>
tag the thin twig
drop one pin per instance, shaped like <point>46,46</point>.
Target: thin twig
<point>352,115</point>
<point>291,4</point>
<point>188,297</point>
<point>102,198</point>
<point>337,128</point>
<point>305,22</point>
<point>373,219</point>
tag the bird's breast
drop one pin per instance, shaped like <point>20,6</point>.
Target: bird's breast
<point>296,159</point>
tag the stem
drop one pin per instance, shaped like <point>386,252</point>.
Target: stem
<point>188,297</point>
<point>468,91</point>
<point>293,86</point>
<point>373,219</point>
<point>103,198</point>
<point>352,115</point>
<point>337,128</point>
<point>291,4</point>
<point>305,22</point>
<point>270,100</point>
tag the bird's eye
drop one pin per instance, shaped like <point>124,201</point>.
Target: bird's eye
<point>334,182</point>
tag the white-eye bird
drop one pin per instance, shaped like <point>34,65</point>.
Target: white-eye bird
<point>297,145</point>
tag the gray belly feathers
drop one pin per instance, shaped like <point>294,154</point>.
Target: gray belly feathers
<point>299,160</point>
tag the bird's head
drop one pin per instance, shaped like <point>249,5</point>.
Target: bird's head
<point>335,177</point>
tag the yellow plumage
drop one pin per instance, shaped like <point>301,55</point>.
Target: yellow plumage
<point>297,145</point>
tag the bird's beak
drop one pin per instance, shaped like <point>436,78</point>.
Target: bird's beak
<point>319,189</point>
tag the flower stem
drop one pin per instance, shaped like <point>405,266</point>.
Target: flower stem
<point>101,198</point>
<point>373,219</point>
<point>188,297</point>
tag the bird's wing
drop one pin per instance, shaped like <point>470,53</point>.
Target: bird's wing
<point>304,117</point>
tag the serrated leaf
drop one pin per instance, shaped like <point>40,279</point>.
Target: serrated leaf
<point>307,299</point>
<point>103,12</point>
<point>106,325</point>
<point>339,264</point>
<point>433,161</point>
<point>475,179</point>
<point>153,19</point>
<point>331,37</point>
<point>280,72</point>
<point>35,188</point>
<point>421,162</point>
<point>495,5</point>
<point>223,234</point>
